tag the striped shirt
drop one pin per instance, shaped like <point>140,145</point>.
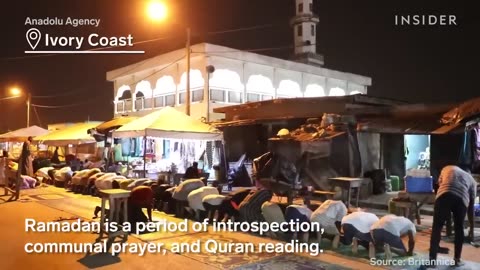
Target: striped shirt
<point>454,180</point>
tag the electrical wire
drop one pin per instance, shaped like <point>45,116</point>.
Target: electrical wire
<point>66,94</point>
<point>68,105</point>
<point>38,117</point>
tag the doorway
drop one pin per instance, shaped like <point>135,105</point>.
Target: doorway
<point>417,152</point>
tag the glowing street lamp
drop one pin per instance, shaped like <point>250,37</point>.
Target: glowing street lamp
<point>17,92</point>
<point>158,11</point>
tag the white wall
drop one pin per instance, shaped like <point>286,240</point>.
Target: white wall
<point>234,78</point>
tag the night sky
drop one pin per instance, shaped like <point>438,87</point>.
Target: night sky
<point>433,64</point>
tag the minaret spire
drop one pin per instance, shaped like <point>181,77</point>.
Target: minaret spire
<point>305,33</point>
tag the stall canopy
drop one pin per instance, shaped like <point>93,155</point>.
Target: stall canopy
<point>105,127</point>
<point>22,134</point>
<point>169,123</point>
<point>75,134</point>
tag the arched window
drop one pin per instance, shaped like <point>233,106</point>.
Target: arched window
<point>143,95</point>
<point>288,89</point>
<point>124,92</point>
<point>123,99</point>
<point>196,87</point>
<point>164,92</point>
<point>226,86</point>
<point>336,92</point>
<point>314,90</point>
<point>126,95</point>
<point>259,88</point>
<point>139,101</point>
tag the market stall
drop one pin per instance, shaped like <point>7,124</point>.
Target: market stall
<point>309,156</point>
<point>14,139</point>
<point>9,179</point>
<point>168,140</point>
<point>75,139</point>
<point>75,135</point>
<point>22,134</point>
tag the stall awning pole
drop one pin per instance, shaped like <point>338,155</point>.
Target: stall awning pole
<point>145,156</point>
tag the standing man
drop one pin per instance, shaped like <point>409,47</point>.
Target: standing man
<point>456,194</point>
<point>192,172</point>
<point>25,162</point>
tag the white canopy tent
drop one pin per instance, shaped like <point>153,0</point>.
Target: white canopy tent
<point>20,135</point>
<point>75,134</point>
<point>170,124</point>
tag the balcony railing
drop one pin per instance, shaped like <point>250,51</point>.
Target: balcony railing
<point>124,106</point>
<point>196,95</point>
<point>164,100</point>
<point>139,104</point>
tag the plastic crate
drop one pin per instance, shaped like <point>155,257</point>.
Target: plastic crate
<point>477,210</point>
<point>419,184</point>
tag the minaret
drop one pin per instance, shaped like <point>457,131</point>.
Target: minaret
<point>305,33</point>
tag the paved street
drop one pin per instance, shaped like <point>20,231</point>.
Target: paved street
<point>50,204</point>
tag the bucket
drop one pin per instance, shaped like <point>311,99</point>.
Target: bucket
<point>395,181</point>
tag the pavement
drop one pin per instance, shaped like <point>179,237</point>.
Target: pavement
<point>56,204</point>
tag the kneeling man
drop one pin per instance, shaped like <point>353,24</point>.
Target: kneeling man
<point>141,197</point>
<point>329,215</point>
<point>388,231</point>
<point>356,229</point>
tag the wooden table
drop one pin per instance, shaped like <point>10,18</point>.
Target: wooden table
<point>418,199</point>
<point>117,200</point>
<point>347,183</point>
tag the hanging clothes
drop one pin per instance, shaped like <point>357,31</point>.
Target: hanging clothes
<point>166,149</point>
<point>133,143</point>
<point>476,144</point>
<point>126,146</point>
<point>118,153</point>
<point>138,147</point>
<point>158,148</point>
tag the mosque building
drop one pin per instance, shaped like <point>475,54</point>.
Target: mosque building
<point>222,76</point>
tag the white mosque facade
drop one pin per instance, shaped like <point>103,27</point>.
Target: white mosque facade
<point>238,76</point>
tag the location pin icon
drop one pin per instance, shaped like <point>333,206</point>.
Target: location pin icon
<point>33,37</point>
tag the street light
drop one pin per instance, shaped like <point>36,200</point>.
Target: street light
<point>17,92</point>
<point>158,11</point>
<point>209,69</point>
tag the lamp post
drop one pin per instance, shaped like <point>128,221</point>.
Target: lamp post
<point>158,11</point>
<point>29,102</point>
<point>210,69</point>
<point>187,90</point>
